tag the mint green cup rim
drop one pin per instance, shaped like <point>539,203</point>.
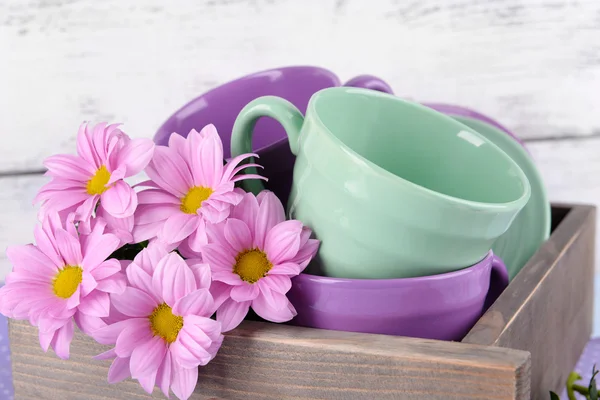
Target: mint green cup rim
<point>399,180</point>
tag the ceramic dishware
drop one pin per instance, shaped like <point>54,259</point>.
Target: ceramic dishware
<point>221,105</point>
<point>460,111</point>
<point>531,227</point>
<point>393,189</point>
<point>440,307</point>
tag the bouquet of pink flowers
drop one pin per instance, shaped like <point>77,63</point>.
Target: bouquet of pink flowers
<point>160,273</point>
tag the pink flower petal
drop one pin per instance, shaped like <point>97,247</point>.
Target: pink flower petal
<point>85,146</point>
<point>69,248</point>
<point>96,304</point>
<point>201,273</point>
<point>62,340</point>
<point>85,209</point>
<point>147,357</point>
<point>120,200</point>
<point>184,381</point>
<point>173,279</point>
<point>45,339</point>
<point>46,245</point>
<point>277,283</point>
<point>135,155</point>
<point>187,353</point>
<point>198,239</point>
<point>231,314</point>
<point>134,335</point>
<point>134,303</point>
<point>157,196</point>
<point>283,241</point>
<point>108,335</point>
<point>199,302</point>
<point>288,268</point>
<point>115,284</point>
<point>119,370</point>
<point>107,355</point>
<point>30,259</point>
<point>150,213</point>
<point>218,257</point>
<point>245,292</point>
<point>178,227</point>
<point>227,277</point>
<point>270,213</point>
<point>211,155</point>
<point>88,324</point>
<point>75,299</point>
<point>140,279</point>
<point>97,249</point>
<point>69,167</point>
<point>147,381</point>
<point>238,234</point>
<point>247,210</point>
<point>283,312</point>
<point>163,375</point>
<point>169,170</point>
<point>88,283</point>
<point>220,292</point>
<point>108,268</point>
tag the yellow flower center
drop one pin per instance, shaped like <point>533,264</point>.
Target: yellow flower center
<point>165,324</point>
<point>194,198</point>
<point>67,281</point>
<point>97,185</point>
<point>251,265</point>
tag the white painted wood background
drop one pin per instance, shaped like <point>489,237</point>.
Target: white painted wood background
<point>533,65</point>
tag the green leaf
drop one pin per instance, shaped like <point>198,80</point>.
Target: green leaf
<point>573,377</point>
<point>554,396</point>
<point>593,390</point>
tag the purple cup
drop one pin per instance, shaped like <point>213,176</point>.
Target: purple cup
<point>443,307</point>
<point>221,105</point>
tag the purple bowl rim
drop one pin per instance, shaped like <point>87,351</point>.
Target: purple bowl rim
<point>235,81</point>
<point>371,283</point>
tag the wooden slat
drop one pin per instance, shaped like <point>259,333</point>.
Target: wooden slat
<point>548,308</point>
<point>533,65</point>
<point>270,361</point>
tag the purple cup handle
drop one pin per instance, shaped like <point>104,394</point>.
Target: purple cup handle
<point>498,281</point>
<point>370,82</point>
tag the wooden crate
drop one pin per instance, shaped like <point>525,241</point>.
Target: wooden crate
<point>524,346</point>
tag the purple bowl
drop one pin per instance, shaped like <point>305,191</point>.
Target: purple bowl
<point>443,307</point>
<point>450,109</point>
<point>221,105</point>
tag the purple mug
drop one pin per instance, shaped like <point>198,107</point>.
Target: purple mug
<point>443,307</point>
<point>221,105</point>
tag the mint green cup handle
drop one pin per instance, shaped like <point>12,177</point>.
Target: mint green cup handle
<point>275,107</point>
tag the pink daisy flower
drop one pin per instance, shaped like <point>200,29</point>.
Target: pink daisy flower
<point>252,256</point>
<point>105,156</point>
<point>64,277</point>
<point>165,331</point>
<point>190,187</point>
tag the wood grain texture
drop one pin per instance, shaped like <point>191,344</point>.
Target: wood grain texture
<point>548,308</point>
<point>270,361</point>
<point>533,65</point>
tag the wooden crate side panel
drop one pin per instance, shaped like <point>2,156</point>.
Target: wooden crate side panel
<point>269,361</point>
<point>548,308</point>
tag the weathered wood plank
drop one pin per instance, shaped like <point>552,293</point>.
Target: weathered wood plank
<point>533,65</point>
<point>548,308</point>
<point>271,361</point>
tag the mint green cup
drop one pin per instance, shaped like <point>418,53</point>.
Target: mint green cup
<point>392,189</point>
